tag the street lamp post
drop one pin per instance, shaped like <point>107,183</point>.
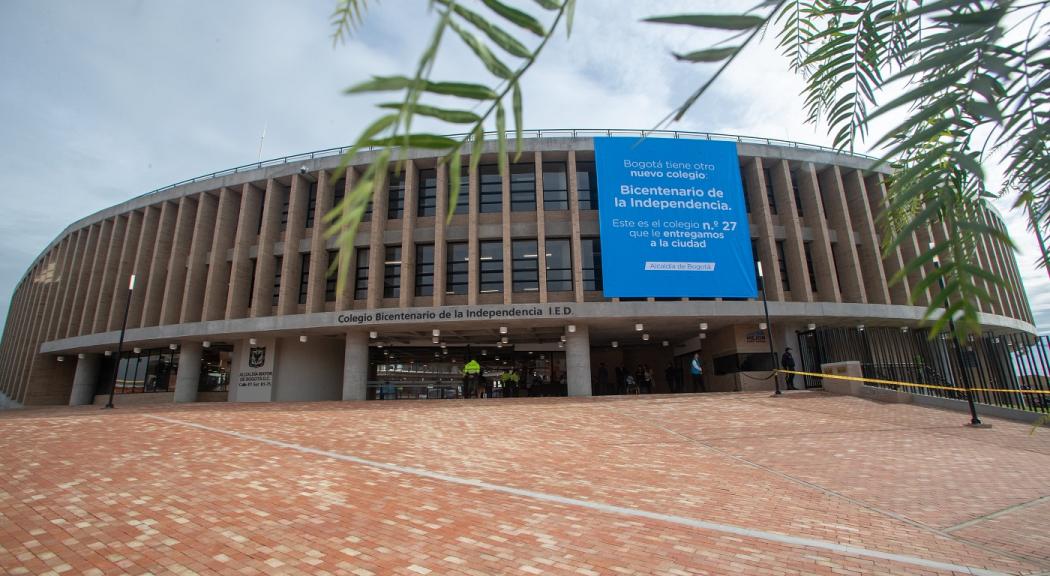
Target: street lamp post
<point>974,420</point>
<point>120,343</point>
<point>769,331</point>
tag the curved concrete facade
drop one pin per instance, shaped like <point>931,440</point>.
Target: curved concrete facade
<point>243,256</point>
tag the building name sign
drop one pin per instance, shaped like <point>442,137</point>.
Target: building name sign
<point>458,313</point>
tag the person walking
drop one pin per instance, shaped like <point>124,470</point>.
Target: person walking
<point>697,372</point>
<point>603,380</point>
<point>787,362</point>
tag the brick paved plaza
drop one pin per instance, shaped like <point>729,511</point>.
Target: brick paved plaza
<point>707,484</point>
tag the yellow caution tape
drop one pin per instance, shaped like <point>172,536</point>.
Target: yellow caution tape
<point>913,385</point>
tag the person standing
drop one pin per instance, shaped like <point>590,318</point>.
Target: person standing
<point>697,372</point>
<point>671,378</point>
<point>787,362</point>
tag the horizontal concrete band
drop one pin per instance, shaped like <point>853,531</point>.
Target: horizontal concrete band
<point>514,314</point>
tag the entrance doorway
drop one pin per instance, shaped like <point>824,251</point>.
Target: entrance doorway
<point>430,372</point>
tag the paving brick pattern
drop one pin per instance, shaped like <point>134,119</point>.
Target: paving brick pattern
<point>84,491</point>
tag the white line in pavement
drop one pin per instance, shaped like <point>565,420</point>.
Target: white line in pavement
<point>608,508</point>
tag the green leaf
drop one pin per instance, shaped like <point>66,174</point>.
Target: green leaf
<point>462,90</point>
<point>428,141</point>
<point>717,21</point>
<point>516,16</point>
<point>570,14</point>
<point>518,122</point>
<point>477,144</point>
<point>709,55</point>
<point>381,84</point>
<point>548,4</point>
<point>453,116</point>
<point>502,39</point>
<point>498,69</point>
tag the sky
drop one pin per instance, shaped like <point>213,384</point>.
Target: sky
<point>104,101</point>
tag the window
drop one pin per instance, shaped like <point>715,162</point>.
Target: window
<point>392,272</point>
<point>284,209</point>
<point>794,189</point>
<point>331,276</point>
<point>463,198</point>
<point>457,267</point>
<point>782,264</point>
<point>338,192</point>
<point>311,205</point>
<point>559,265</point>
<point>262,211</point>
<point>395,203</point>
<point>523,188</point>
<point>490,186</point>
<point>428,189</point>
<point>525,270</point>
<point>591,251</point>
<point>490,266</point>
<point>587,185</point>
<point>277,265</point>
<point>361,274</point>
<point>149,371</point>
<point>304,279</point>
<point>555,186</point>
<point>251,285</point>
<point>809,266</point>
<point>424,269</point>
<point>743,185</point>
<point>770,196</point>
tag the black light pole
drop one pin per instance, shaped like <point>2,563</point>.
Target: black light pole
<point>974,420</point>
<point>120,343</point>
<point>769,331</point>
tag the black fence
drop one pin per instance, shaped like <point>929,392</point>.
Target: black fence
<point>1001,370</point>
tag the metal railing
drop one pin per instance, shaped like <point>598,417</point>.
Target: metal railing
<point>1005,370</point>
<point>531,134</point>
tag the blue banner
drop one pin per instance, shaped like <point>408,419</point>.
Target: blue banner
<point>673,219</point>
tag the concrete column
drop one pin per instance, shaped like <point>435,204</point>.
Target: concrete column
<point>765,243</point>
<point>794,249</point>
<point>578,361</point>
<point>292,263</point>
<point>189,375</point>
<point>85,381</point>
<point>473,207</point>
<point>318,274</point>
<point>197,268</point>
<point>143,260</point>
<point>81,276</point>
<point>109,275</point>
<point>70,279</point>
<point>440,254</point>
<point>241,267</point>
<point>355,366</point>
<point>377,247</point>
<point>893,263</point>
<point>868,251</point>
<point>344,300</point>
<point>158,268</point>
<point>827,288</point>
<point>845,248</point>
<point>175,286</point>
<point>124,271</point>
<point>265,261</point>
<point>217,284</point>
<point>98,264</point>
<point>541,228</point>
<point>508,277</point>
<point>574,215</point>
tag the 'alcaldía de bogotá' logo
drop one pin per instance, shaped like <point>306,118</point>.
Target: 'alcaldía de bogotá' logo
<point>257,357</point>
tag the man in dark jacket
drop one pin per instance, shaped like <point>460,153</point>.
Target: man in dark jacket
<point>787,362</point>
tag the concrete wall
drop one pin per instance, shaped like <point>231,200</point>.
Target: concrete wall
<point>309,372</point>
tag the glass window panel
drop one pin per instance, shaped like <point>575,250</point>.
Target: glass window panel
<point>525,271</point>
<point>490,266</point>
<point>490,187</point>
<point>277,266</point>
<point>304,278</point>
<point>555,186</point>
<point>559,265</point>
<point>331,279</point>
<point>457,265</point>
<point>392,272</point>
<point>427,205</point>
<point>311,205</point>
<point>523,188</point>
<point>361,274</point>
<point>395,189</point>
<point>591,251</point>
<point>424,269</point>
<point>587,185</point>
